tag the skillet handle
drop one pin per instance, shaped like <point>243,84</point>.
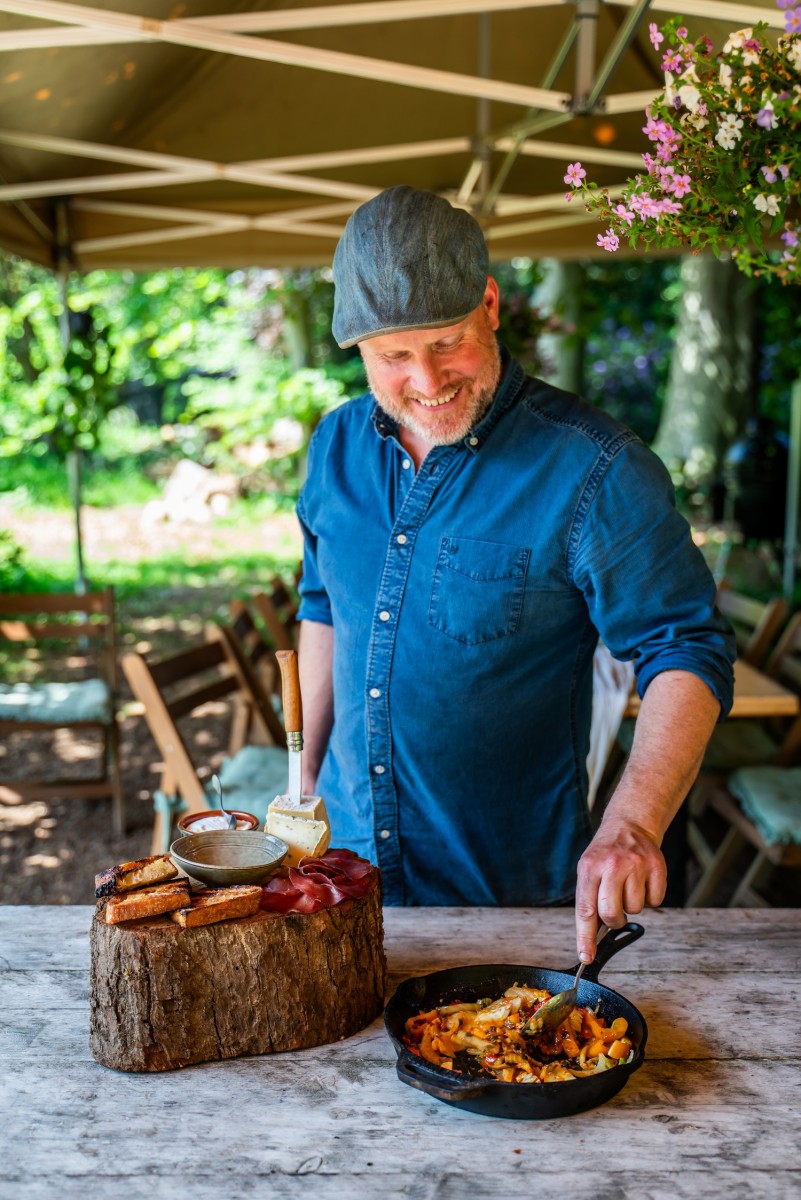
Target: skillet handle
<point>417,1077</point>
<point>615,939</point>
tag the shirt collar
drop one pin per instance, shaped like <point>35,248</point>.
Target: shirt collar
<point>512,379</point>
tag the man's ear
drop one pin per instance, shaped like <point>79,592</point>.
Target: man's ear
<point>491,302</point>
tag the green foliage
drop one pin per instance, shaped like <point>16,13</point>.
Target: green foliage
<point>12,565</point>
<point>627,314</point>
<point>521,322</point>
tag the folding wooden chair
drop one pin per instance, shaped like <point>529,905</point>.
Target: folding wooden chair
<point>86,625</point>
<point>760,804</point>
<point>755,622</point>
<point>266,622</point>
<point>179,686</point>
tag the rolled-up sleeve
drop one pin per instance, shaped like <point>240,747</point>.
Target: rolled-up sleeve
<point>648,589</point>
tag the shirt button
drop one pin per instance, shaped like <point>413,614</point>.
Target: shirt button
<point>375,693</point>
<point>401,539</point>
<point>383,616</point>
<point>473,441</point>
<point>385,834</point>
<point>407,462</point>
<point>379,770</point>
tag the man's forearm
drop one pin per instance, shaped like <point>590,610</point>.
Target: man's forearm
<point>622,869</point>
<point>315,661</point>
<point>676,719</point>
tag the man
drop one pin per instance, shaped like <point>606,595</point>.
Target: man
<point>468,534</point>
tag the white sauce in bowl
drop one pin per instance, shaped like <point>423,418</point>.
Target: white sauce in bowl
<point>206,823</point>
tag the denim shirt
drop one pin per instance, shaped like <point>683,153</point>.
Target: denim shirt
<point>466,599</point>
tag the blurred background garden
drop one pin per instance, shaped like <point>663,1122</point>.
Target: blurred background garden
<point>179,416</point>
<point>153,435</point>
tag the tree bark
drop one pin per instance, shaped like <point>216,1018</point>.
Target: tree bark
<point>710,386</point>
<point>163,997</point>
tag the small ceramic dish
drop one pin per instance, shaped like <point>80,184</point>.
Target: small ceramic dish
<point>222,857</point>
<point>213,819</point>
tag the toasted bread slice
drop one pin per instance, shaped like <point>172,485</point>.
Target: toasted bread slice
<point>140,873</point>
<point>219,904</point>
<point>147,902</point>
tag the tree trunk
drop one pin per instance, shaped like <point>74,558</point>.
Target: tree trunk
<point>710,385</point>
<point>163,997</point>
<point>560,295</point>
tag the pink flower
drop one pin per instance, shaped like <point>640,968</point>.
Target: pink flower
<point>575,174</point>
<point>624,214</point>
<point>656,37</point>
<point>672,61</point>
<point>669,207</point>
<point>792,20</point>
<point>790,237</point>
<point>681,186</point>
<point>608,241</point>
<point>681,31</point>
<point>649,207</point>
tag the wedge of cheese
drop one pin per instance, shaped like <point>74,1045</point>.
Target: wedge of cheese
<point>302,825</point>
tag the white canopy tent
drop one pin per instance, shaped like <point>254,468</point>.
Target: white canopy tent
<point>136,134</point>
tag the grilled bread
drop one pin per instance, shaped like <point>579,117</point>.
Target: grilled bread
<point>219,904</point>
<point>139,873</point>
<point>147,902</point>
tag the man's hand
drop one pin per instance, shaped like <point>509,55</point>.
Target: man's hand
<point>621,871</point>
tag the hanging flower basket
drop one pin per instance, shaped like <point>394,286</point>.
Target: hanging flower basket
<point>724,169</point>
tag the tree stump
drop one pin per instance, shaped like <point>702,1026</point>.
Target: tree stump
<point>163,997</point>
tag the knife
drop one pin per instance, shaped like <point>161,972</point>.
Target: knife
<point>293,719</point>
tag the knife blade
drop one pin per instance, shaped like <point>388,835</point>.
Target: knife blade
<point>293,720</point>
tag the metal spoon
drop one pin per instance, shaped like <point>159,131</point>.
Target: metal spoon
<point>554,1011</point>
<point>229,817</point>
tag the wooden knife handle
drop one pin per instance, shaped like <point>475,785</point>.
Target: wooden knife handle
<point>290,690</point>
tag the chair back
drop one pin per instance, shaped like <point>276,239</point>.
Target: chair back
<point>784,665</point>
<point>64,617</point>
<point>179,685</point>
<point>755,622</point>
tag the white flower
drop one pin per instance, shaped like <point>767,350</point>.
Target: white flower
<point>736,40</point>
<point>794,54</point>
<point>670,94</point>
<point>726,74</point>
<point>729,132</point>
<point>690,96</point>
<point>766,204</point>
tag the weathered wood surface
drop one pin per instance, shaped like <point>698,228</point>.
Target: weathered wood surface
<point>713,1113</point>
<point>163,997</point>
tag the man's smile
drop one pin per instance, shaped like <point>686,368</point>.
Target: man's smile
<point>438,401</point>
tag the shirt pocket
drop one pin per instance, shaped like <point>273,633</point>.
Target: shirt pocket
<point>478,589</point>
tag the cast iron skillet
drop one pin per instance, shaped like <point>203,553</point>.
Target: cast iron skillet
<point>526,1101</point>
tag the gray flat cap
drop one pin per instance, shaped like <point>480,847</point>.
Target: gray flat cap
<point>407,260</point>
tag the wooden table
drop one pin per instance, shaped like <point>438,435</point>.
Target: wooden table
<point>713,1113</point>
<point>755,695</point>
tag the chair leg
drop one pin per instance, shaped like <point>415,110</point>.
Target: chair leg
<point>724,859</point>
<point>114,768</point>
<point>757,875</point>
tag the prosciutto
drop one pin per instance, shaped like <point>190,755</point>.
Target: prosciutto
<point>317,883</point>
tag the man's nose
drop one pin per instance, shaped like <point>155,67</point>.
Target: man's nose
<point>428,377</point>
